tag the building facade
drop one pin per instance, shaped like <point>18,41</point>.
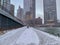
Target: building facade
<point>5,4</point>
<point>20,12</point>
<point>28,17</point>
<point>29,6</point>
<point>0,3</point>
<point>12,7</point>
<point>50,12</point>
<point>35,22</point>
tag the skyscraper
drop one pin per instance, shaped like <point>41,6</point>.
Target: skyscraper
<point>50,12</point>
<point>12,7</point>
<point>0,2</point>
<point>20,13</point>
<point>6,4</point>
<point>29,6</point>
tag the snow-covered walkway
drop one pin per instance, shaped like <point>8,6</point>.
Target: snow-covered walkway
<point>28,36</point>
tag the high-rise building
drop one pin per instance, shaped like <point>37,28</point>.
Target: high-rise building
<point>20,13</point>
<point>6,4</point>
<point>12,7</point>
<point>29,6</point>
<point>50,12</point>
<point>28,16</point>
<point>0,3</point>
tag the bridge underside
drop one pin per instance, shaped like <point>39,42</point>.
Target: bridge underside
<point>8,23</point>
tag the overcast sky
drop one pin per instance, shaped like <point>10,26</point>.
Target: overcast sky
<point>39,7</point>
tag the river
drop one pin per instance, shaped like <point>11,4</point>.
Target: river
<point>52,30</point>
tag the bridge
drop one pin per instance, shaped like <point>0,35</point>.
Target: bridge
<point>8,21</point>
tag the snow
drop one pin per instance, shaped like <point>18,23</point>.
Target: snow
<point>28,36</point>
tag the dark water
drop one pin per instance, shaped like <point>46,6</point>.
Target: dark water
<point>52,30</point>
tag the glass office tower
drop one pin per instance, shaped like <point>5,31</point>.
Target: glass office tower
<point>50,12</point>
<point>29,6</point>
